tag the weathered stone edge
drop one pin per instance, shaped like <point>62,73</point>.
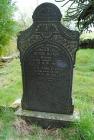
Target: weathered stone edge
<point>49,116</point>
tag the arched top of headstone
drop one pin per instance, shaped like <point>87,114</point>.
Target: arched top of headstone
<point>47,12</point>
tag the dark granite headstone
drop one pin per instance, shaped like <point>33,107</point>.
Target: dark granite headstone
<point>47,55</point>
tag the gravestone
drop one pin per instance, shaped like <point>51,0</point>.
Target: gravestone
<point>47,55</point>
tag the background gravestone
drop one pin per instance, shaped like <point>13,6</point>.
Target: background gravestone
<point>47,55</point>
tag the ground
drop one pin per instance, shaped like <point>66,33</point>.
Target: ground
<point>83,93</point>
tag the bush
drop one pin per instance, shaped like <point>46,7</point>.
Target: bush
<point>8,26</point>
<point>87,43</point>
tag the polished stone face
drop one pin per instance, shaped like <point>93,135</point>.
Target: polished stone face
<point>47,54</point>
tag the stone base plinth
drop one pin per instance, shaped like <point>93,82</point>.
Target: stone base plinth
<point>48,120</point>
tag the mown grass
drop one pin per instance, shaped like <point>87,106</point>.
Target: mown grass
<point>83,93</point>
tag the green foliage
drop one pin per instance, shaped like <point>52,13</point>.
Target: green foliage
<point>10,48</point>
<point>8,26</point>
<point>81,11</point>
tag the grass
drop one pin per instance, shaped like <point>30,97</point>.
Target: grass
<point>83,92</point>
<point>10,82</point>
<point>83,86</point>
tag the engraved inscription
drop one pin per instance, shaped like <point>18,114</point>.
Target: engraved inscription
<point>47,62</point>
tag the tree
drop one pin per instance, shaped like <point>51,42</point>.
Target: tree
<point>81,11</point>
<point>7,23</point>
<point>24,21</point>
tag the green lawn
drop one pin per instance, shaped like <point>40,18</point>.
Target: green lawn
<point>83,93</point>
